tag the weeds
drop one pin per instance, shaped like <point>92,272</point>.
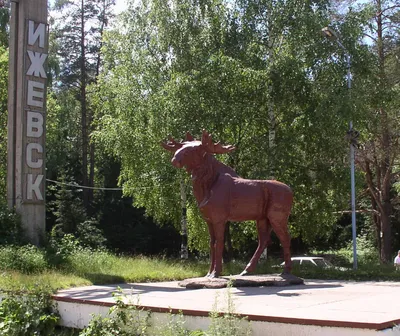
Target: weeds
<point>126,319</point>
<point>26,259</point>
<point>29,313</point>
<point>122,319</point>
<point>228,323</point>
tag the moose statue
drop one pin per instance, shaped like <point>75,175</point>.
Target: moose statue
<point>224,196</point>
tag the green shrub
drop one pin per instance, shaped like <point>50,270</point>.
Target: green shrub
<point>127,320</point>
<point>27,314</point>
<point>227,323</point>
<point>175,327</point>
<point>367,253</point>
<point>83,260</point>
<point>89,234</point>
<point>10,227</point>
<point>61,245</point>
<point>26,259</point>
<point>122,319</point>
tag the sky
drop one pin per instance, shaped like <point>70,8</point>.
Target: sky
<point>120,5</point>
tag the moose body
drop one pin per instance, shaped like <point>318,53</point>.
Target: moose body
<point>224,196</point>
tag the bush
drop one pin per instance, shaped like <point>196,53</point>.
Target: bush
<point>10,227</point>
<point>127,320</point>
<point>367,254</point>
<point>61,245</point>
<point>84,260</point>
<point>27,314</point>
<point>122,319</point>
<point>89,234</point>
<point>25,259</point>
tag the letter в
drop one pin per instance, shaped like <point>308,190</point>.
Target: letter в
<point>34,124</point>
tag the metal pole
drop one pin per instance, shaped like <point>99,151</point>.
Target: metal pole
<point>353,202</point>
<point>331,35</point>
<point>352,174</point>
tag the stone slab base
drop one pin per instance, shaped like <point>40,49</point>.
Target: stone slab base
<point>242,281</point>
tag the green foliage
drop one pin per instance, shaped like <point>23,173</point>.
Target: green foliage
<point>127,319</point>
<point>61,245</point>
<point>183,65</point>
<point>10,226</point>
<point>62,137</point>
<point>72,228</point>
<point>365,272</point>
<point>227,323</point>
<point>122,319</point>
<point>3,115</point>
<point>26,259</point>
<point>89,234</point>
<point>68,210</point>
<point>367,253</point>
<point>4,25</point>
<point>175,327</point>
<point>27,314</point>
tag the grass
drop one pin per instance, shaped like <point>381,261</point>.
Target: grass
<point>17,281</point>
<point>101,266</point>
<point>25,267</point>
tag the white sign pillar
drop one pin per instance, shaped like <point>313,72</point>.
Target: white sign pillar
<point>27,114</point>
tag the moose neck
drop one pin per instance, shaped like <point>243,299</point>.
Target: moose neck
<point>203,177</point>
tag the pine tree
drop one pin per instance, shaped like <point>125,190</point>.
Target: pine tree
<point>79,32</point>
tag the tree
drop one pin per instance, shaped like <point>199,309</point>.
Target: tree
<point>4,17</point>
<point>80,33</point>
<point>379,152</point>
<point>177,66</point>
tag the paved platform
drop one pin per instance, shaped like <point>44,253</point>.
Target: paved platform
<point>367,307</point>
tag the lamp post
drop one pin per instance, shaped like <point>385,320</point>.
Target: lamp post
<point>352,136</point>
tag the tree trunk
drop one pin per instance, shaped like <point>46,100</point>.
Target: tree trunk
<point>386,245</point>
<point>386,166</point>
<point>377,223</point>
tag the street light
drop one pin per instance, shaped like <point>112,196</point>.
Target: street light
<point>352,135</point>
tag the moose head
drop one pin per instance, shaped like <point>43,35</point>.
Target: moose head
<point>191,153</point>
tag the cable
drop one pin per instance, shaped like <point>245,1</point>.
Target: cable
<point>81,186</point>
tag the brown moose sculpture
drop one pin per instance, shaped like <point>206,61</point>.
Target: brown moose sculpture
<point>224,196</point>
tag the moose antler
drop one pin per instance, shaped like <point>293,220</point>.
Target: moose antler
<point>189,137</point>
<point>217,148</point>
<point>171,145</point>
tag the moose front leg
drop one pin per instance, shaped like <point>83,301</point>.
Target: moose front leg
<point>212,249</point>
<point>217,250</point>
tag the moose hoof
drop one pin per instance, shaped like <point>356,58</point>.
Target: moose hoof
<point>212,275</point>
<point>286,272</point>
<point>244,273</point>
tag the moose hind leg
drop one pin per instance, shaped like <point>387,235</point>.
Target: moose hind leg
<point>281,230</point>
<point>264,233</point>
